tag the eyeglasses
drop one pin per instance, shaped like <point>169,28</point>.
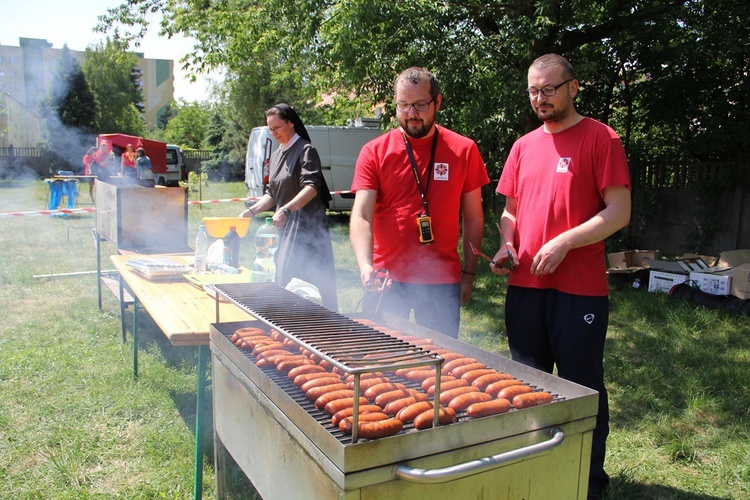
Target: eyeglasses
<point>420,107</point>
<point>548,91</point>
<point>274,129</point>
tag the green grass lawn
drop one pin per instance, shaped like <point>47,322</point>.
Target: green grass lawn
<point>74,423</point>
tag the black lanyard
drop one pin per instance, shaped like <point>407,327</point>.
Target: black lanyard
<point>430,168</point>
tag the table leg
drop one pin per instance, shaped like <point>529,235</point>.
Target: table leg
<point>135,337</point>
<point>199,417</point>
<point>122,309</point>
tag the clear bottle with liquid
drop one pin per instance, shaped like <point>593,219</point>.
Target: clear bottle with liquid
<point>266,243</point>
<point>232,248</point>
<point>201,250</point>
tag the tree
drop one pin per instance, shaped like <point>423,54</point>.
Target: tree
<point>109,69</point>
<point>69,113</point>
<point>187,127</point>
<point>677,65</point>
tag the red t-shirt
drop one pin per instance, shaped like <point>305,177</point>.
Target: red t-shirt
<point>558,181</point>
<point>383,165</point>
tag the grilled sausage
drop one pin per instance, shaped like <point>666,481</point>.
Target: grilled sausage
<point>409,413</point>
<point>272,352</point>
<point>471,376</point>
<point>450,356</point>
<point>376,430</point>
<point>485,380</point>
<point>495,387</point>
<point>424,419</point>
<point>383,399</point>
<point>348,412</point>
<point>313,393</point>
<point>394,407</point>
<point>420,375</point>
<point>321,381</point>
<point>430,381</point>
<point>299,380</point>
<point>261,348</point>
<point>347,424</point>
<point>511,392</point>
<point>460,370</point>
<point>253,342</point>
<point>287,365</point>
<point>248,331</point>
<point>275,359</point>
<point>531,399</point>
<point>447,386</point>
<point>455,363</point>
<point>403,371</point>
<point>329,396</point>
<point>493,407</point>
<point>326,364</point>
<point>367,383</point>
<point>460,403</point>
<point>376,390</point>
<point>304,370</point>
<point>447,396</point>
<point>339,404</point>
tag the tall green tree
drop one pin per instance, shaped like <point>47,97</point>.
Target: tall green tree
<point>109,68</point>
<point>69,115</point>
<point>188,125</point>
<point>678,65</point>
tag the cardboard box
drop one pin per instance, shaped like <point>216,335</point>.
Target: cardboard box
<point>665,274</point>
<point>734,258</point>
<point>714,280</point>
<point>741,281</point>
<point>630,261</point>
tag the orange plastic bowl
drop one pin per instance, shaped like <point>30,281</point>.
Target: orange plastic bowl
<point>218,227</point>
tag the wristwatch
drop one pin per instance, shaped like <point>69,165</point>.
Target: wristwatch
<point>286,211</point>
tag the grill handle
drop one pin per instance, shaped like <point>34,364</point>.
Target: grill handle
<point>454,472</point>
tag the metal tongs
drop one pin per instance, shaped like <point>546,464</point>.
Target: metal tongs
<point>379,277</point>
<point>478,252</point>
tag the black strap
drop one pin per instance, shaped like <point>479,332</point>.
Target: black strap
<point>430,168</point>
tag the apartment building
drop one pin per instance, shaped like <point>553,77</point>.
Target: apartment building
<point>26,75</point>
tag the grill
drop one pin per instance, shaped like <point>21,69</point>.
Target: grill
<point>289,449</point>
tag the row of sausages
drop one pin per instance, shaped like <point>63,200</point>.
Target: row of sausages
<point>385,404</point>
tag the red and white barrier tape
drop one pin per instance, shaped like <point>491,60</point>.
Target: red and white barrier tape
<point>41,213</point>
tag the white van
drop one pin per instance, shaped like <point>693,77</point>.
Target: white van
<point>338,148</point>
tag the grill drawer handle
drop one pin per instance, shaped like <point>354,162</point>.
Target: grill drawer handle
<point>472,467</point>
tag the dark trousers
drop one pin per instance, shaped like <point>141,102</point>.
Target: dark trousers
<point>436,307</point>
<point>548,328</point>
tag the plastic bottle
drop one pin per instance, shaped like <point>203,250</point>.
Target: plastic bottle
<point>232,248</point>
<point>266,243</point>
<point>201,249</point>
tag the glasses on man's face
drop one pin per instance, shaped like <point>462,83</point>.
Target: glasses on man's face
<point>420,107</point>
<point>547,91</point>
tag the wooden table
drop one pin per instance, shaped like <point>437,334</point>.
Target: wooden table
<point>183,312</point>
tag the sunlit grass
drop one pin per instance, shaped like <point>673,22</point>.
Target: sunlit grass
<point>74,423</point>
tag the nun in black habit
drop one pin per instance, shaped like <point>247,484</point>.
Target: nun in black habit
<point>297,189</point>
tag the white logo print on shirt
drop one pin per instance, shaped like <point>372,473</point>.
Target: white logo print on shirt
<point>562,165</point>
<point>441,172</point>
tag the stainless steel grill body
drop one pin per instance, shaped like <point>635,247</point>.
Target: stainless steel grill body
<point>289,449</point>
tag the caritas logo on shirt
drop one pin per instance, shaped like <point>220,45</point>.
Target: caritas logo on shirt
<point>441,172</point>
<point>562,165</point>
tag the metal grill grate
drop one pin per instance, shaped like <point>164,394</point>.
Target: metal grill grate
<point>345,343</point>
